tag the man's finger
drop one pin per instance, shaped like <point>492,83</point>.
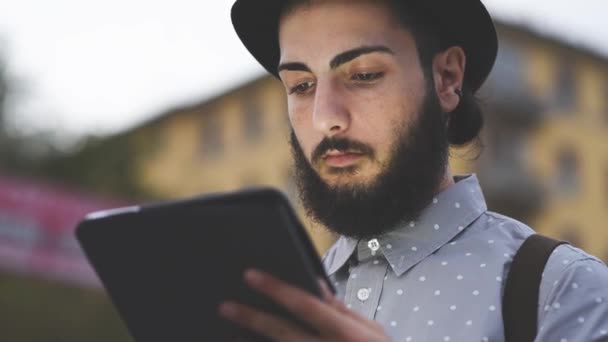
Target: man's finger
<point>262,323</point>
<point>322,316</point>
<point>326,293</point>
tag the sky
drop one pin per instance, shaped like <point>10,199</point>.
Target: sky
<point>101,66</point>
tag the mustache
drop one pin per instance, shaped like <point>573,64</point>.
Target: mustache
<point>342,145</point>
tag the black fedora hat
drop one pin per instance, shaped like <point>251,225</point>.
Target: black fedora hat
<point>465,23</point>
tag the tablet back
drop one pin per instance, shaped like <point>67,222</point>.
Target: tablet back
<point>167,267</point>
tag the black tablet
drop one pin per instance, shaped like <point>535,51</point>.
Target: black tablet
<point>167,267</point>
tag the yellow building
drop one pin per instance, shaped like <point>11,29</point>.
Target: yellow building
<point>545,159</point>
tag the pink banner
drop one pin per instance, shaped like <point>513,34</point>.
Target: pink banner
<point>37,224</point>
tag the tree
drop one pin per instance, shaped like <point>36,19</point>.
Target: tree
<point>7,143</point>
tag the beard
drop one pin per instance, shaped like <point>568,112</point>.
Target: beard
<point>404,187</point>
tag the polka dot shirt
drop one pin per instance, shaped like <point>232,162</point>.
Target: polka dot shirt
<point>441,278</point>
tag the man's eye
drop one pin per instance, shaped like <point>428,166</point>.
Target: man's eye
<point>301,88</point>
<point>366,76</point>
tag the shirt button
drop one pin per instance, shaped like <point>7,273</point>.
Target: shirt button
<point>373,244</point>
<point>363,294</point>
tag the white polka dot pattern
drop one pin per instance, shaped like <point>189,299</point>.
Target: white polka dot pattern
<point>441,277</point>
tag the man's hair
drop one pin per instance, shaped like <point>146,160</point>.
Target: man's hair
<point>466,121</point>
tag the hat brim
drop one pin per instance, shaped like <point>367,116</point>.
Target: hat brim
<point>464,23</point>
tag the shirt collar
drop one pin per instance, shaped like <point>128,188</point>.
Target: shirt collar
<point>450,213</point>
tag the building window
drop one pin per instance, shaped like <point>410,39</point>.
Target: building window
<point>250,180</point>
<point>506,143</point>
<point>254,119</point>
<point>568,171</point>
<point>565,91</point>
<point>508,70</point>
<point>150,140</point>
<point>211,135</point>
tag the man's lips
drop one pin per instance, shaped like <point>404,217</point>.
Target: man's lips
<point>335,158</point>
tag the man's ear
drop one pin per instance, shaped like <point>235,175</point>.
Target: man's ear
<point>448,73</point>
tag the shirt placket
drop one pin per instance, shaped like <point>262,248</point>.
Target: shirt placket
<point>364,287</point>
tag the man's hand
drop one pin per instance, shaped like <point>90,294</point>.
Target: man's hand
<point>329,317</point>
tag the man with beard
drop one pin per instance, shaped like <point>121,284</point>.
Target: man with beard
<point>377,91</point>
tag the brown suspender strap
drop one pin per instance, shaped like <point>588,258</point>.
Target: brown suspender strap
<point>520,299</point>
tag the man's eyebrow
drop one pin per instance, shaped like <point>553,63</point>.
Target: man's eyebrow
<point>293,66</point>
<point>349,55</point>
<point>339,59</point>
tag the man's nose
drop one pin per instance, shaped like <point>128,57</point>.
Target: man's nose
<point>330,114</point>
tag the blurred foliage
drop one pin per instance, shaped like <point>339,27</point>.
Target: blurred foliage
<point>33,310</point>
<point>5,141</point>
<point>100,165</point>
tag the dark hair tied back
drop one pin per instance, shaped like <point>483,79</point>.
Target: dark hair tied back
<point>466,121</point>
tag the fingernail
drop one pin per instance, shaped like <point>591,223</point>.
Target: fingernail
<point>253,277</point>
<point>228,309</point>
